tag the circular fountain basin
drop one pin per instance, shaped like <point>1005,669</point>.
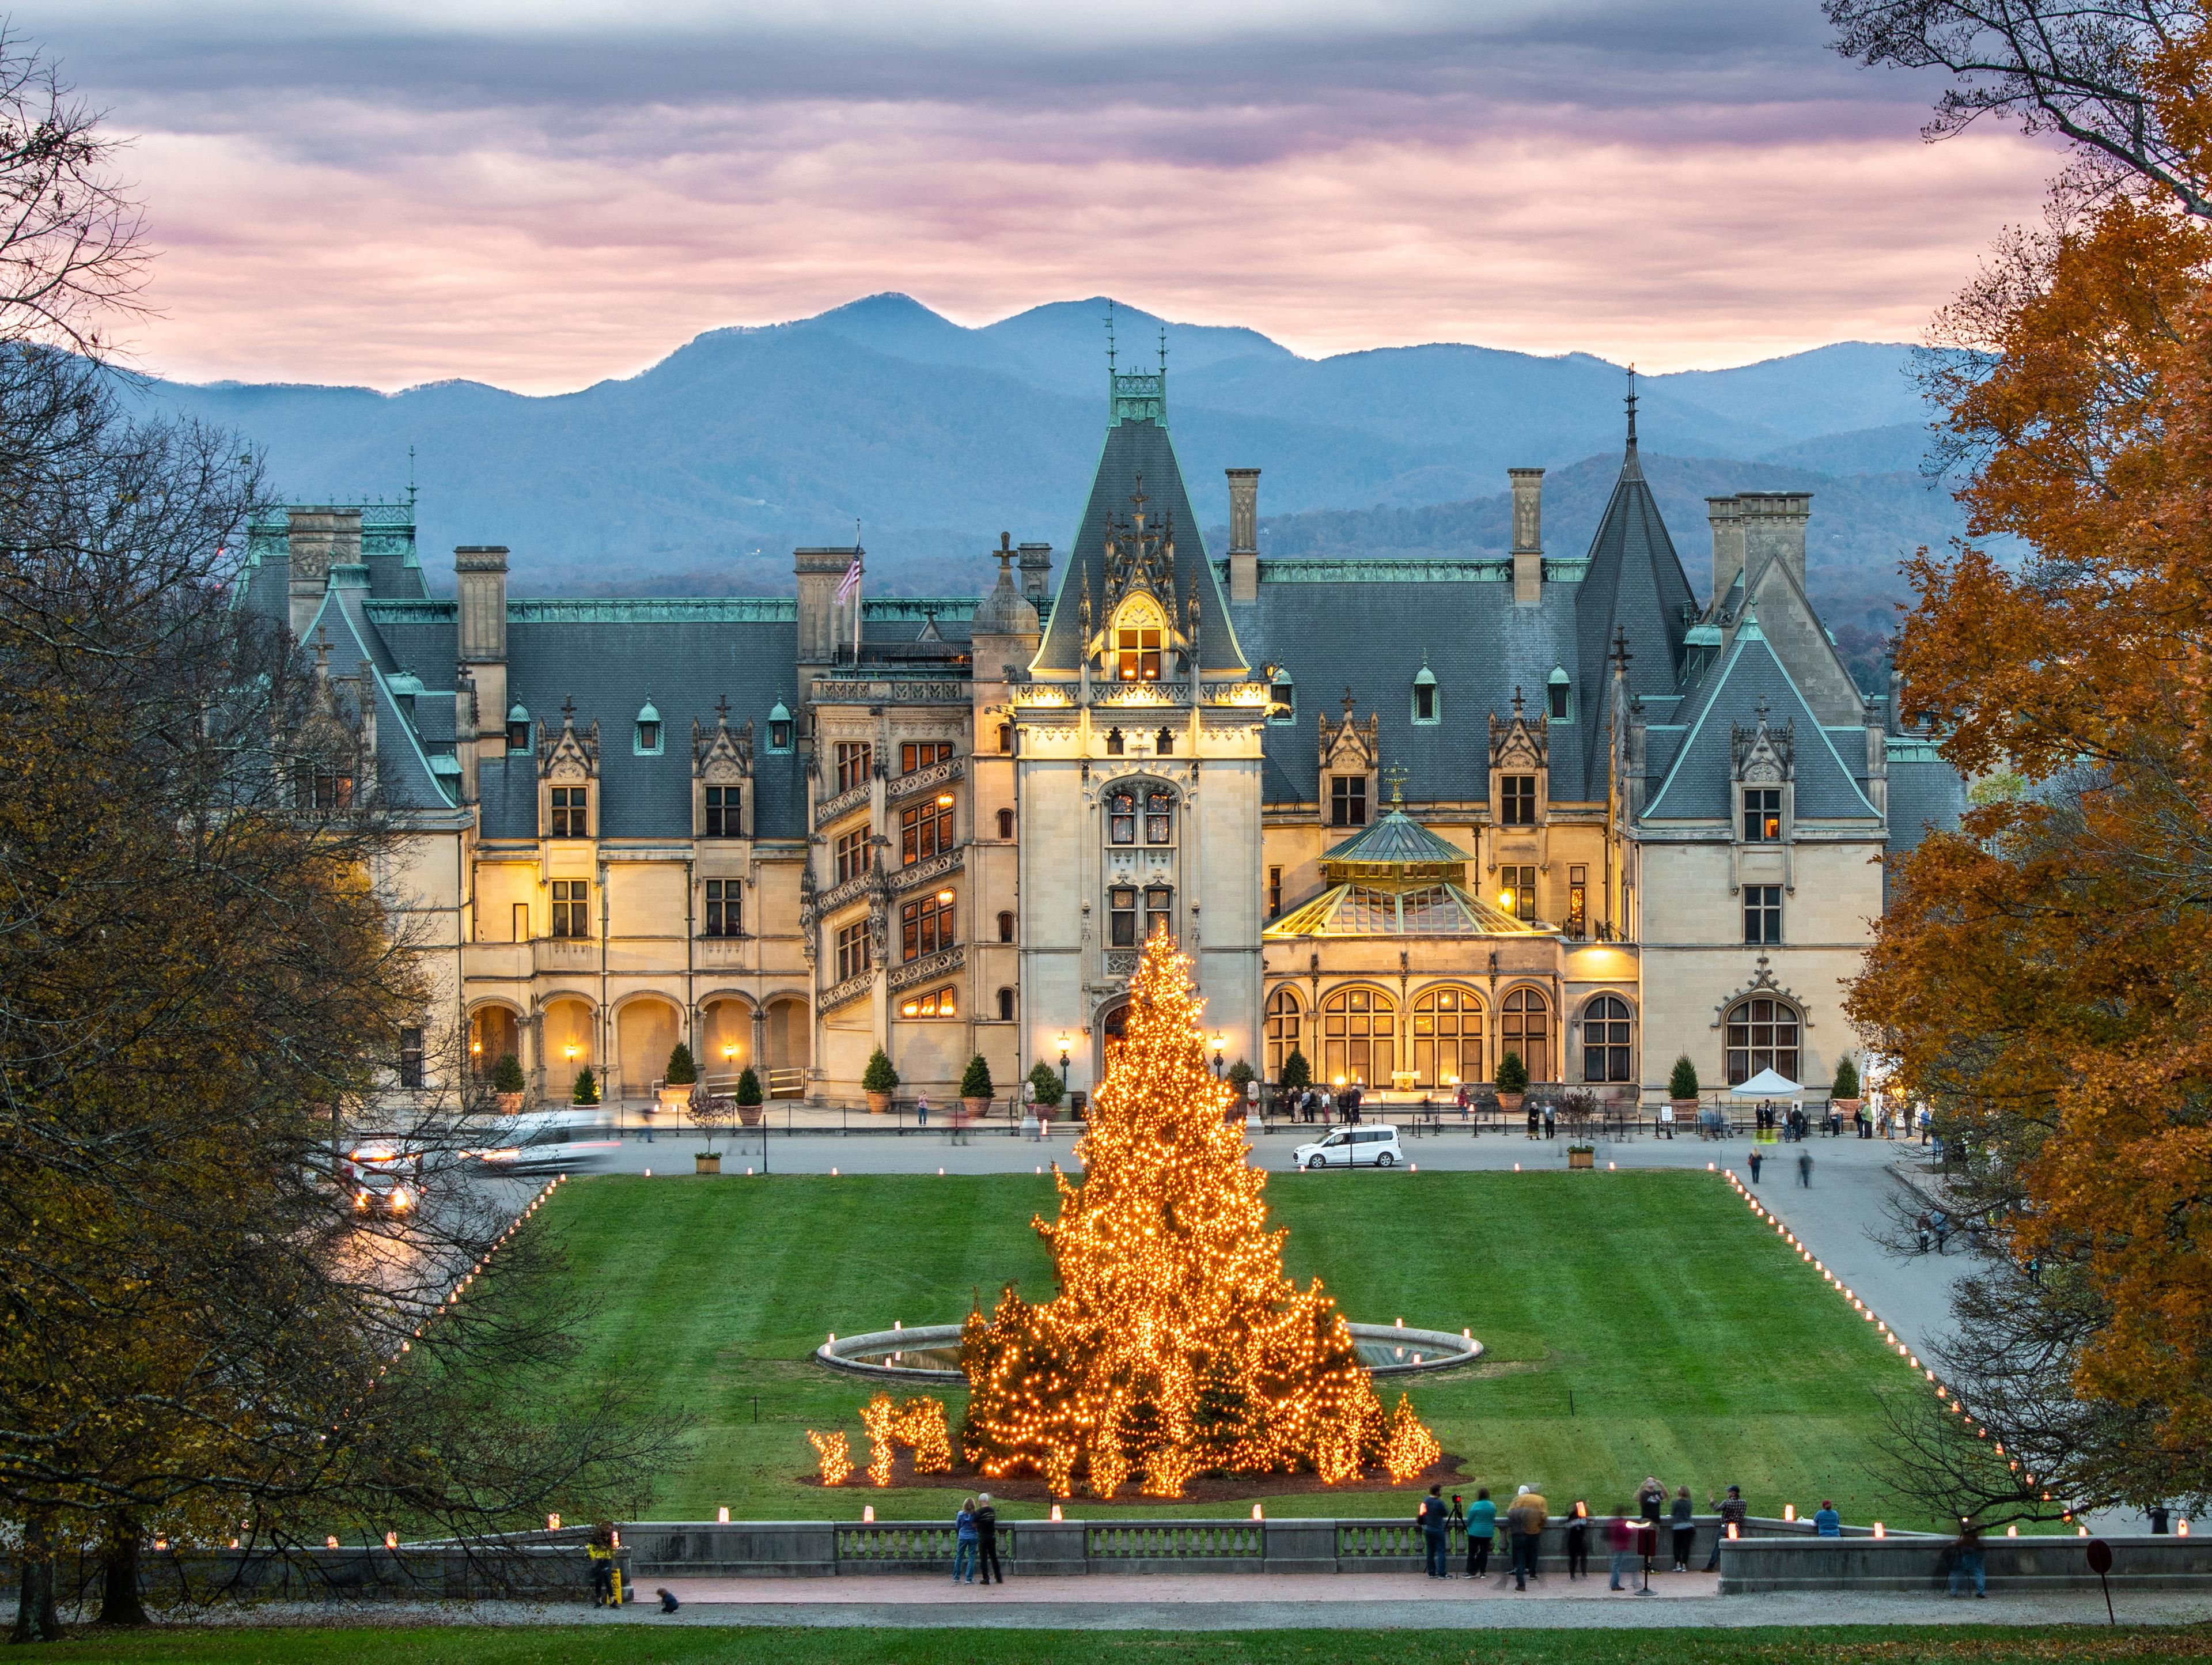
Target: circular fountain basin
<point>931,1352</point>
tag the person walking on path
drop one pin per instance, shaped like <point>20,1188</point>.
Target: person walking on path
<point>1551,1120</point>
<point>1481,1528</point>
<point>1684,1515</point>
<point>987,1540</point>
<point>1525,1522</point>
<point>1435,1522</point>
<point>1967,1560</point>
<point>1756,1158</point>
<point>1827,1523</point>
<point>963,1543</point>
<point>1578,1541</point>
<point>1940,1223</point>
<point>1805,1168</point>
<point>1733,1511</point>
<point>1620,1546</point>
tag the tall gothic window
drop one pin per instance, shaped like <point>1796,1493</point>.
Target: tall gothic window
<point>1122,815</point>
<point>926,829</point>
<point>1605,1039</point>
<point>722,805</point>
<point>1761,1034</point>
<point>1517,804</point>
<point>1447,1037</point>
<point>1359,1032</point>
<point>852,955</point>
<point>725,907</point>
<point>1527,1029</point>
<point>571,807</point>
<point>1762,913</point>
<point>1762,815</point>
<point>1347,800</point>
<point>1285,1019</point>
<point>854,759</point>
<point>1137,645</point>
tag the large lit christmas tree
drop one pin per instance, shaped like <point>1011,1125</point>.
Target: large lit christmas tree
<point>1176,1344</point>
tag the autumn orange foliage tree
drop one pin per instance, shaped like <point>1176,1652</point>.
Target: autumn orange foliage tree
<point>1176,1344</point>
<point>2042,973</point>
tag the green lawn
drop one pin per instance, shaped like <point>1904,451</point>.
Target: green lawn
<point>644,1640</point>
<point>1692,1344</point>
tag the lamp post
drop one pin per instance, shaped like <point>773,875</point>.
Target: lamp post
<point>1065,1044</point>
<point>1220,1042</point>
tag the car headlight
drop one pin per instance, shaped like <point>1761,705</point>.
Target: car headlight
<point>402,1201</point>
<point>360,1200</point>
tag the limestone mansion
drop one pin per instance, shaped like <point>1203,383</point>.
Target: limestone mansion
<point>1404,815</point>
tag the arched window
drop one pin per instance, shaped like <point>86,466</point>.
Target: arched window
<point>1006,927</point>
<point>1137,642</point>
<point>1006,738</point>
<point>1113,748</point>
<point>1005,823</point>
<point>1605,1039</point>
<point>1427,707</point>
<point>1283,1027</point>
<point>1164,743</point>
<point>1122,815</point>
<point>1005,1005</point>
<point>1762,1035</point>
<point>1528,1030</point>
<point>1359,1034</point>
<point>1160,817</point>
<point>1447,1037</point>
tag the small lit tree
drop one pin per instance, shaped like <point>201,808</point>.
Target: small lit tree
<point>1683,1083</point>
<point>587,1086</point>
<point>1044,1081</point>
<point>1298,1074</point>
<point>507,1075</point>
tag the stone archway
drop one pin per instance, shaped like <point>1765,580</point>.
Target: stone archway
<point>494,1031</point>
<point>647,1030</point>
<point>1111,1028</point>
<point>725,1036</point>
<point>787,1047</point>
<point>568,1029</point>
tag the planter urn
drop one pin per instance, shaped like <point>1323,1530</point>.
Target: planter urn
<point>703,1163</point>
<point>749,1115</point>
<point>976,1107</point>
<point>509,1103</point>
<point>1509,1102</point>
<point>879,1103</point>
<point>675,1098</point>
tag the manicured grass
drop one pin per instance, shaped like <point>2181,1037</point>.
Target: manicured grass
<point>1636,1323</point>
<point>676,1645</point>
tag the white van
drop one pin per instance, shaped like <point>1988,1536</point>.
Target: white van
<point>1352,1147</point>
<point>565,1141</point>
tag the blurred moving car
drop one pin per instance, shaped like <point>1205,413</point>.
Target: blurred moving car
<point>1352,1147</point>
<point>382,1178</point>
<point>563,1142</point>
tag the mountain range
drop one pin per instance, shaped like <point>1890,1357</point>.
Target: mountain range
<point>700,474</point>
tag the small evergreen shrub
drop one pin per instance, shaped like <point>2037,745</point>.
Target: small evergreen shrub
<point>682,1068</point>
<point>879,1076</point>
<point>1240,1075</point>
<point>749,1088</point>
<point>1045,1080</point>
<point>1297,1073</point>
<point>975,1079</point>
<point>1847,1079</point>
<point>587,1087</point>
<point>1683,1083</point>
<point>1512,1073</point>
<point>506,1074</point>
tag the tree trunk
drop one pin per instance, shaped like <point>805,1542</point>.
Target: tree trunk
<point>120,1603</point>
<point>36,1618</point>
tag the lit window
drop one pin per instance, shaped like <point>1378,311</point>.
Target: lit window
<point>925,830</point>
<point>855,855</point>
<point>1283,1026</point>
<point>922,754</point>
<point>1517,892</point>
<point>1121,914</point>
<point>855,758</point>
<point>1527,1029</point>
<point>937,1003</point>
<point>1578,901</point>
<point>1159,911</point>
<point>1137,647</point>
<point>928,925</point>
<point>1762,815</point>
<point>1274,892</point>
<point>1160,818</point>
<point>1122,816</point>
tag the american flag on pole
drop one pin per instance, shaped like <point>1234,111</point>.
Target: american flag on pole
<point>851,582</point>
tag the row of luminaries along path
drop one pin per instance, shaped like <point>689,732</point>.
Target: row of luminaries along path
<point>1177,1345</point>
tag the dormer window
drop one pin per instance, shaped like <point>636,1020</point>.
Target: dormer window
<point>1137,638</point>
<point>1426,707</point>
<point>1282,699</point>
<point>517,729</point>
<point>779,727</point>
<point>1762,815</point>
<point>648,731</point>
<point>1560,693</point>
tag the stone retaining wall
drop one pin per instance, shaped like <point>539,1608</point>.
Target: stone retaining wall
<point>1753,1565</point>
<point>535,1573</point>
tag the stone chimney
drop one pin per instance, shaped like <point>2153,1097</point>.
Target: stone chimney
<point>1036,575</point>
<point>1728,545</point>
<point>825,625</point>
<point>1243,533</point>
<point>467,738</point>
<point>1528,535</point>
<point>317,539</point>
<point>480,577</point>
<point>1774,530</point>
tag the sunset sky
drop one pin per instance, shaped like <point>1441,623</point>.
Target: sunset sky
<point>540,193</point>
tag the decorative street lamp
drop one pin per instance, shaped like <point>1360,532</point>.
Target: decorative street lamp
<point>1066,1046</point>
<point>1220,1044</point>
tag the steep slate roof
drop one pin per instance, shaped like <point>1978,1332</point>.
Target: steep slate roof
<point>1331,625</point>
<point>1696,786</point>
<point>1138,448</point>
<point>1635,583</point>
<point>404,774</point>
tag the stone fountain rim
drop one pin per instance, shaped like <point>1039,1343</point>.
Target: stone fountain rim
<point>837,1354</point>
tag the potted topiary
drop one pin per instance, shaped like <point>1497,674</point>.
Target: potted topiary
<point>879,1081</point>
<point>508,1085</point>
<point>587,1086</point>
<point>749,1098</point>
<point>1682,1087</point>
<point>1511,1081</point>
<point>681,1075</point>
<point>709,1113</point>
<point>976,1086</point>
<point>1843,1096</point>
